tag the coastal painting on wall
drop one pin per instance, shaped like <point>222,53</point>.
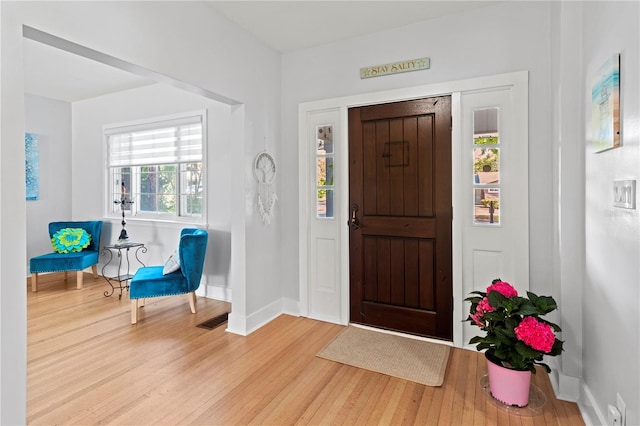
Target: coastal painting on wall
<point>605,106</point>
<point>31,163</point>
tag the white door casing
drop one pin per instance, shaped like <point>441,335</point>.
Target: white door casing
<point>324,244</point>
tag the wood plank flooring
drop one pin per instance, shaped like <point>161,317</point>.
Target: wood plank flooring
<point>88,365</point>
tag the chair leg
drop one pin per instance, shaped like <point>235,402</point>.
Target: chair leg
<point>79,279</point>
<point>94,268</point>
<point>192,301</point>
<point>34,282</point>
<point>134,311</point>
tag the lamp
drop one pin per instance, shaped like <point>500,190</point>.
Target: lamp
<point>123,203</point>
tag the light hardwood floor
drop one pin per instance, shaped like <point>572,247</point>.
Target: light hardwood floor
<point>88,365</point>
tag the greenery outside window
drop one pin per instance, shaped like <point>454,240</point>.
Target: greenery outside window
<point>486,166</point>
<point>158,165</point>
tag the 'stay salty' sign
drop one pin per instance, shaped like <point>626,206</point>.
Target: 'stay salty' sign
<point>395,68</point>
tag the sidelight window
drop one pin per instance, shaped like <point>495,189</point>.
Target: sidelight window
<point>486,167</point>
<point>325,184</point>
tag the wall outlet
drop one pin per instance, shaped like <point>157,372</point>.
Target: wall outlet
<point>613,416</point>
<point>622,408</point>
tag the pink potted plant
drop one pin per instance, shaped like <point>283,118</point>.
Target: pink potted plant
<point>516,338</point>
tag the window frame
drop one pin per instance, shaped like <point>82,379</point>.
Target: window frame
<point>132,212</point>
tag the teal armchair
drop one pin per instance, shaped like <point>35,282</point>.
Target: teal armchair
<point>73,261</point>
<point>149,281</point>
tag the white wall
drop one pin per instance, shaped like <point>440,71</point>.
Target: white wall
<point>13,247</point>
<point>612,235</point>
<point>51,120</point>
<point>568,194</point>
<point>514,36</point>
<point>160,238</point>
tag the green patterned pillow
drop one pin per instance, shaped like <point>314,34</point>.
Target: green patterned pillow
<point>69,240</point>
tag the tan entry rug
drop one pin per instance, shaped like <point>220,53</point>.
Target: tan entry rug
<point>410,359</point>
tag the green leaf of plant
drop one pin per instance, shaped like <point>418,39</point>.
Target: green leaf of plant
<point>511,323</point>
<point>494,316</point>
<point>527,309</point>
<point>557,348</point>
<point>544,304</point>
<point>483,345</point>
<point>501,354</point>
<point>543,365</point>
<point>496,299</point>
<point>527,352</point>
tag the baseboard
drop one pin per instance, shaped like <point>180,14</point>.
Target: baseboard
<point>264,316</point>
<point>566,388</point>
<point>290,307</point>
<point>247,325</point>
<point>574,389</point>
<point>215,292</point>
<point>588,406</point>
<point>237,324</point>
<point>242,325</point>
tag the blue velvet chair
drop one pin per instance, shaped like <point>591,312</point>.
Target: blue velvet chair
<point>74,261</point>
<point>149,281</point>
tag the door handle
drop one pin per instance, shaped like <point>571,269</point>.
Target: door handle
<point>354,223</point>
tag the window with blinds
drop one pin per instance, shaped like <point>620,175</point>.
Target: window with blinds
<point>156,168</point>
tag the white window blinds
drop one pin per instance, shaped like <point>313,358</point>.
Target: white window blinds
<point>177,140</point>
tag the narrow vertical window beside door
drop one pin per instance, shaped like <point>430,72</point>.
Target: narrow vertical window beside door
<point>325,184</point>
<point>486,167</point>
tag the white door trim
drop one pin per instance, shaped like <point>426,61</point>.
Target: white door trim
<point>519,80</point>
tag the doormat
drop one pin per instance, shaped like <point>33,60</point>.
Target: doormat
<point>403,357</point>
<point>215,321</point>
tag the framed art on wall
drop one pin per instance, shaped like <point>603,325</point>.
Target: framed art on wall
<point>31,164</point>
<point>605,106</point>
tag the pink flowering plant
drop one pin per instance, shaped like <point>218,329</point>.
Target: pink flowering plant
<point>517,336</point>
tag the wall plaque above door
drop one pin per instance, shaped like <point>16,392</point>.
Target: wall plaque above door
<point>395,67</point>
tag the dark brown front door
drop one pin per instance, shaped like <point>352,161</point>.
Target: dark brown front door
<point>400,201</point>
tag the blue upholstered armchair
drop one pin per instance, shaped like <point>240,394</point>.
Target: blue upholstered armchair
<point>150,281</point>
<point>72,261</point>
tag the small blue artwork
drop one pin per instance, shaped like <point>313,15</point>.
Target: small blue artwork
<point>31,164</point>
<point>605,106</point>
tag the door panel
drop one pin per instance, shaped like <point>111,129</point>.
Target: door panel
<point>324,301</point>
<point>499,249</point>
<point>400,193</point>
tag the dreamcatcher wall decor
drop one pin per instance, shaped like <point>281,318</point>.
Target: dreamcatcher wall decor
<point>264,169</point>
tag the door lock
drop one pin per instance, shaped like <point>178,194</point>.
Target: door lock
<point>354,223</point>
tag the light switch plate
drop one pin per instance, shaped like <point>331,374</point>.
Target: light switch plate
<point>624,194</point>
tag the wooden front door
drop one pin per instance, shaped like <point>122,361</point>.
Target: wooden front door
<point>400,216</point>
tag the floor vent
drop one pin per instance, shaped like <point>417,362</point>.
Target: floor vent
<point>214,322</point>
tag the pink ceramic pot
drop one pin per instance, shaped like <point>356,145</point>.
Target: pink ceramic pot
<point>508,386</point>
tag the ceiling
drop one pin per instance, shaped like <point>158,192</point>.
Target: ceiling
<point>321,22</point>
<point>71,78</point>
